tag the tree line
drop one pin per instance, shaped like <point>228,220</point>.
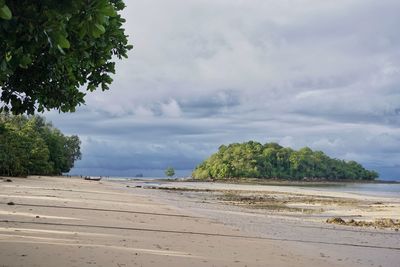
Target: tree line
<point>254,160</point>
<point>31,146</point>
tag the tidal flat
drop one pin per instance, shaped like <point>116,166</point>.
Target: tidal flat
<point>301,216</point>
<point>312,202</point>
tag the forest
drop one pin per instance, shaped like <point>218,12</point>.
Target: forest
<point>255,160</point>
<point>31,146</point>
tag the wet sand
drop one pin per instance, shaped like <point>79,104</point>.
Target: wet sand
<point>311,204</point>
<point>72,222</point>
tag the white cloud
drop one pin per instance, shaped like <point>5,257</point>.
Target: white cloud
<point>170,108</point>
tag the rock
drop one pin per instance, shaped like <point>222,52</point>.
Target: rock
<point>10,203</point>
<point>385,222</point>
<point>8,180</point>
<point>336,220</point>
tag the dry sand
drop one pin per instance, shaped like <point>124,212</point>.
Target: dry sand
<point>72,222</point>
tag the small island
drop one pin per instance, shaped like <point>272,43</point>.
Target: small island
<point>272,161</point>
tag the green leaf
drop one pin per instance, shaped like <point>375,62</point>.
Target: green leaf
<point>25,61</point>
<point>5,12</point>
<point>98,30</point>
<point>82,31</point>
<point>8,56</point>
<point>109,11</point>
<point>62,41</point>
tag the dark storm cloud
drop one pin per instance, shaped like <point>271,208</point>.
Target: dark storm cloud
<point>210,105</point>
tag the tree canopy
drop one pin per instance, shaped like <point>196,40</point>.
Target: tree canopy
<point>170,172</point>
<point>31,146</point>
<point>254,160</point>
<point>50,49</point>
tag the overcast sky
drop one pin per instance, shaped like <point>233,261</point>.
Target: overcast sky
<point>323,74</point>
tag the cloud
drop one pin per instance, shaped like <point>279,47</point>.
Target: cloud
<point>204,73</point>
<point>170,109</point>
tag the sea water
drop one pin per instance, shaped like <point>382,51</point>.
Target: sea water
<point>373,189</point>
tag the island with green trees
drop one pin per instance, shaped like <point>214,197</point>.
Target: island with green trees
<point>32,146</point>
<point>255,160</point>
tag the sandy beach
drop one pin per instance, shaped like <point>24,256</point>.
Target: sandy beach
<point>51,221</point>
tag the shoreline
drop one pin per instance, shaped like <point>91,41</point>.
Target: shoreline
<point>269,181</point>
<point>321,187</point>
<point>260,181</point>
<point>73,222</point>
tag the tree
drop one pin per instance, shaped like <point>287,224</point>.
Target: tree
<point>36,150</point>
<point>271,160</point>
<point>170,172</point>
<point>50,49</point>
<point>13,154</point>
<point>72,151</point>
<point>29,145</point>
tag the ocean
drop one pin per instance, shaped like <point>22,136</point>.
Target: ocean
<point>382,190</point>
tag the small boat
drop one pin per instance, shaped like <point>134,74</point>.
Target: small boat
<point>93,178</point>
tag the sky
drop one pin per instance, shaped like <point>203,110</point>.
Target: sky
<point>323,74</point>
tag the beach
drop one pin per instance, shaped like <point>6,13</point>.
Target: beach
<point>54,221</point>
